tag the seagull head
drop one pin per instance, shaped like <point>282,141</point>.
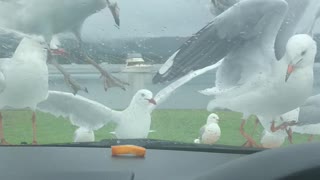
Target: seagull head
<point>212,118</point>
<point>144,97</point>
<point>31,48</point>
<point>55,47</point>
<point>300,53</point>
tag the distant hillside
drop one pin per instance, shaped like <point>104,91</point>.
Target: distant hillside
<point>153,50</point>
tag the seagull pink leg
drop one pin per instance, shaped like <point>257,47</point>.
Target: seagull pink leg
<point>250,142</point>
<point>247,143</point>
<point>289,132</point>
<point>255,126</point>
<point>3,141</point>
<point>34,128</point>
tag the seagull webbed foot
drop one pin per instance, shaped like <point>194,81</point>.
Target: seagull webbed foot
<point>108,80</point>
<point>74,85</point>
<point>282,126</point>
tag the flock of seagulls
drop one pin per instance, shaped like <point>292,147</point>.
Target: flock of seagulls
<point>264,61</point>
<point>132,122</point>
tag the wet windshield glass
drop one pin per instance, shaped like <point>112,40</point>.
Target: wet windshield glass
<point>228,72</point>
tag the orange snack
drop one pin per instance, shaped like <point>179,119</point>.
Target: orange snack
<point>128,149</point>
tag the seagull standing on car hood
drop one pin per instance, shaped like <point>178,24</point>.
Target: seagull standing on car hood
<point>210,133</point>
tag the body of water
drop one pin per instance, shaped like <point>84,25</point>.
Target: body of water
<point>185,97</point>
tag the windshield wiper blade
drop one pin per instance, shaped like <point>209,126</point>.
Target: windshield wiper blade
<point>163,145</point>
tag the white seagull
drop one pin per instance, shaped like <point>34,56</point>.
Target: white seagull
<point>209,133</point>
<point>251,80</point>
<point>50,17</point>
<point>230,31</point>
<point>132,122</point>
<point>24,80</point>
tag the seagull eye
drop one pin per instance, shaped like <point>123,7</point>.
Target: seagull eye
<point>303,53</point>
<point>143,95</point>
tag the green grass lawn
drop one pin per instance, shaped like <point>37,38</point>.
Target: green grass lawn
<point>175,125</point>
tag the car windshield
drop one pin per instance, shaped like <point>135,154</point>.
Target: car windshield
<point>213,72</point>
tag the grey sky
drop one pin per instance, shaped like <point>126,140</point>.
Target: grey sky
<point>149,18</point>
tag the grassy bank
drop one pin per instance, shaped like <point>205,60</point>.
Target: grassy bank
<point>176,125</point>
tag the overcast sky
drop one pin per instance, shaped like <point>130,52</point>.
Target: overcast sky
<point>149,18</point>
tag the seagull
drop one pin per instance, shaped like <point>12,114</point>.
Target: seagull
<point>305,119</point>
<point>251,79</point>
<point>210,133</point>
<point>217,40</point>
<point>50,17</point>
<point>83,135</point>
<point>132,122</point>
<point>24,80</point>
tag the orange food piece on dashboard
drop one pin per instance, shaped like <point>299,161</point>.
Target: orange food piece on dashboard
<point>128,149</point>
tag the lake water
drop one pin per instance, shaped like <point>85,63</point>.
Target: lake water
<point>185,97</point>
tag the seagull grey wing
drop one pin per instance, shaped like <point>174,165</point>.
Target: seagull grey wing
<point>219,6</point>
<point>115,11</point>
<point>244,21</point>
<point>81,111</point>
<point>309,111</point>
<point>47,17</point>
<point>10,40</point>
<point>312,100</point>
<point>201,131</point>
<point>309,115</point>
<point>296,11</point>
<point>162,95</point>
<point>309,17</point>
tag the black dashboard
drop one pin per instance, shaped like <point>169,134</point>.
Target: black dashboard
<point>76,162</point>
